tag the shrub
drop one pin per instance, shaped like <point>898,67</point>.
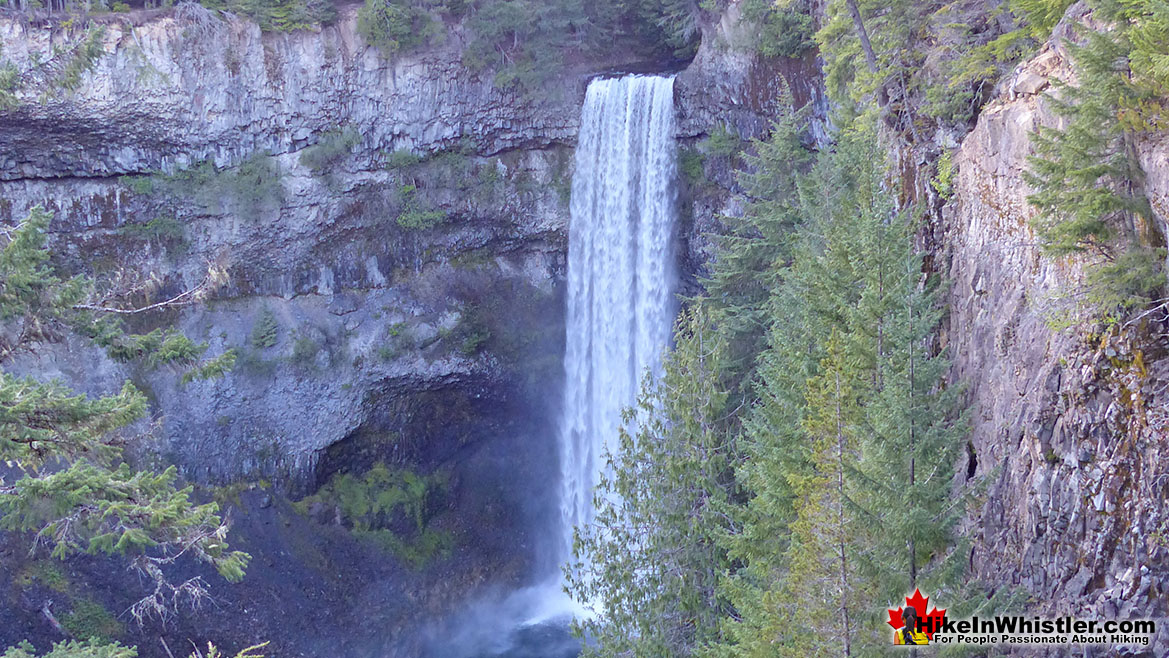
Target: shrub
<point>394,26</point>
<point>413,216</point>
<point>723,142</point>
<point>692,165</point>
<point>382,499</point>
<point>90,619</point>
<point>333,146</point>
<point>250,187</point>
<point>305,350</point>
<point>160,228</point>
<point>943,184</point>
<point>264,333</point>
<point>402,159</point>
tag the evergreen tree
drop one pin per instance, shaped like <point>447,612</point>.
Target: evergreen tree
<point>850,448</point>
<point>821,590</point>
<point>650,564</point>
<point>1089,185</point>
<point>74,490</point>
<point>811,300</point>
<point>913,429</point>
<point>758,245</point>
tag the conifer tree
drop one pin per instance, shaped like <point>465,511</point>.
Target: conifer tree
<point>650,563</point>
<point>74,491</point>
<point>821,588</point>
<point>758,244</point>
<point>813,298</point>
<point>815,538</point>
<point>1088,184</point>
<point>913,430</point>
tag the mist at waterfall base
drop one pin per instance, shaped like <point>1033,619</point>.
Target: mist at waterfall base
<point>619,315</point>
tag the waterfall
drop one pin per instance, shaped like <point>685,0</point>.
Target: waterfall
<point>620,273</point>
<point>620,312</point>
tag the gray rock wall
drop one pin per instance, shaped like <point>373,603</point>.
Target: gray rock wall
<point>1070,422</point>
<point>366,309</point>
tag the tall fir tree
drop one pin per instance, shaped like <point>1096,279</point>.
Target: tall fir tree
<point>821,589</point>
<point>650,564</point>
<point>1087,179</point>
<point>845,538</point>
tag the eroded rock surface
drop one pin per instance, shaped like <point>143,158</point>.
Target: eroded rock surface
<point>1070,422</point>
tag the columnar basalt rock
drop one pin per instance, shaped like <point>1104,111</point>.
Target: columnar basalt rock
<point>1069,423</point>
<point>335,253</point>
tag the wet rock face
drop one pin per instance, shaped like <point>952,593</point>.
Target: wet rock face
<point>1069,424</point>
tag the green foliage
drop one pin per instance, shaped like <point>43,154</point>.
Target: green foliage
<point>305,350</point>
<point>82,59</point>
<point>383,499</point>
<point>851,448</point>
<point>723,142</point>
<point>9,84</point>
<point>1039,16</point>
<point>402,159</point>
<point>143,185</point>
<point>90,619</point>
<point>280,15</point>
<point>44,573</point>
<point>472,332</point>
<point>395,26</point>
<point>332,147</point>
<point>691,163</point>
<point>90,509</point>
<point>755,246</point>
<point>785,29</point>
<point>805,373</point>
<point>1088,182</point>
<point>95,648</point>
<point>414,216</point>
<point>91,502</point>
<point>943,183</point>
<point>525,41</point>
<point>650,562</point>
<point>213,652</point>
<point>162,228</point>
<point>266,331</point>
<point>90,648</point>
<point>1146,24</point>
<point>59,73</point>
<point>248,189</point>
<point>213,368</point>
<point>928,63</point>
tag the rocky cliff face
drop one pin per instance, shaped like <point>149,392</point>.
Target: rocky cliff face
<point>1070,422</point>
<point>402,223</point>
<point>393,234</point>
<point>376,304</point>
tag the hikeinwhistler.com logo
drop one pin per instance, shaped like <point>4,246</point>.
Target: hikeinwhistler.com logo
<point>914,626</point>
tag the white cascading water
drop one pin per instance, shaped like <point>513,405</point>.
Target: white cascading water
<point>620,273</point>
<point>620,312</point>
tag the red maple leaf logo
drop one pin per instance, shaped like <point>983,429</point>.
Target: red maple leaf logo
<point>929,622</point>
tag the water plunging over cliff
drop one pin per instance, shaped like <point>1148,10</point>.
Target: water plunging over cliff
<point>620,311</point>
<point>620,272</point>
